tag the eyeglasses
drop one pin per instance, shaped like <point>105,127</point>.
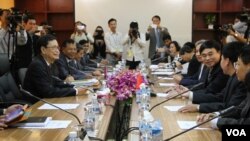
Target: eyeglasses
<point>54,48</point>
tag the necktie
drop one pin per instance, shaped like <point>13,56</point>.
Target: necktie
<point>157,35</point>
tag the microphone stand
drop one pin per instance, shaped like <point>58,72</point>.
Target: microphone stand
<point>221,114</point>
<point>28,93</point>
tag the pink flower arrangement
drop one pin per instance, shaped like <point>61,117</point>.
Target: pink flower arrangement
<point>123,83</point>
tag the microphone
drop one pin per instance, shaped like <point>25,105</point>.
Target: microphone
<point>222,113</point>
<point>159,58</point>
<point>83,133</point>
<point>40,99</point>
<point>195,86</point>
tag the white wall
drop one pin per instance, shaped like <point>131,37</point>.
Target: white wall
<point>176,15</point>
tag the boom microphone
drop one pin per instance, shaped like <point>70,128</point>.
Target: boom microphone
<point>195,86</point>
<point>222,113</point>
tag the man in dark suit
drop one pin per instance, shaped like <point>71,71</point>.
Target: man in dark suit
<point>216,80</point>
<point>199,76</point>
<point>155,34</point>
<point>234,92</point>
<point>241,114</point>
<point>39,80</point>
<point>65,64</point>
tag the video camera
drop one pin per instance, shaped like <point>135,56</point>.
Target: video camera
<point>15,17</point>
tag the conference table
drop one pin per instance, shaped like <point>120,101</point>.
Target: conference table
<point>169,119</point>
<point>20,134</point>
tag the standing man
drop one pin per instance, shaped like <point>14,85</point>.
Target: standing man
<point>155,34</point>
<point>113,41</point>
<point>25,52</point>
<point>6,34</point>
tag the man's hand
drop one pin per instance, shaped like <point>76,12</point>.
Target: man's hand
<point>104,62</point>
<point>82,91</point>
<point>160,50</point>
<point>97,73</point>
<point>177,78</point>
<point>205,117</point>
<point>69,79</point>
<point>189,108</point>
<point>2,124</point>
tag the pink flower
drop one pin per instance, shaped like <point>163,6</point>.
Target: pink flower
<point>123,83</point>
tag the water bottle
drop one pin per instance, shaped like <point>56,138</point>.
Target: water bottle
<point>145,130</point>
<point>96,105</point>
<point>89,119</point>
<point>73,136</point>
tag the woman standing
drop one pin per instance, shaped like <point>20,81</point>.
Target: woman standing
<point>134,46</point>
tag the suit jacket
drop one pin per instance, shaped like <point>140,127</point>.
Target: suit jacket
<point>194,79</point>
<point>64,69</point>
<point>85,61</point>
<point>39,81</point>
<point>239,116</point>
<point>23,54</point>
<point>233,94</point>
<point>215,81</point>
<point>152,43</point>
<point>194,66</point>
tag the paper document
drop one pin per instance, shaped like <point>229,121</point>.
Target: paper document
<point>153,67</point>
<point>165,78</point>
<point>163,73</point>
<point>53,124</point>
<point>162,94</point>
<point>173,108</point>
<point>87,82</point>
<point>167,84</point>
<point>188,124</point>
<point>163,70</point>
<point>64,106</point>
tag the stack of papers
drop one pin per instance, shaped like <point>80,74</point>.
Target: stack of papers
<point>88,82</point>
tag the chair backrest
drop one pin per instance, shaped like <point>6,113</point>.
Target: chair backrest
<point>21,74</point>
<point>4,63</point>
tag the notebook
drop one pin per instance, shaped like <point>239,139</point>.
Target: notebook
<point>33,122</point>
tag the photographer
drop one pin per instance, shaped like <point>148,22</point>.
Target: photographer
<point>25,52</point>
<point>99,43</point>
<point>81,33</point>
<point>134,46</point>
<point>237,31</point>
<point>10,27</point>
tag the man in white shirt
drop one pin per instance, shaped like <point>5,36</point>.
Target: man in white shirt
<point>113,40</point>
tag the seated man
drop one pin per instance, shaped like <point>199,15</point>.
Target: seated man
<point>215,80</point>
<point>85,60</point>
<point>65,64</point>
<point>39,80</point>
<point>79,55</point>
<point>199,76</point>
<point>241,114</point>
<point>234,92</point>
